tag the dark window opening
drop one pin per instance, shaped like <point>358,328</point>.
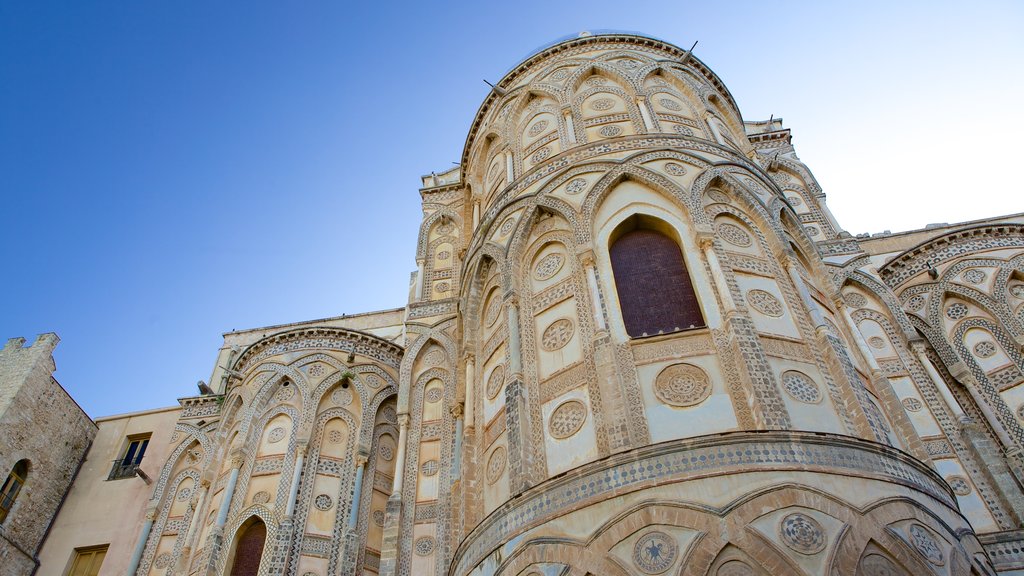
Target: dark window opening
<point>12,487</point>
<point>249,550</point>
<point>131,459</point>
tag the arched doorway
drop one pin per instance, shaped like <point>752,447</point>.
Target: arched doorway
<point>249,549</point>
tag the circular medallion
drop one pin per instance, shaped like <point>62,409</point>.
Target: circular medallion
<point>959,485</point>
<point>912,404</point>
<point>629,64</point>
<point>877,565</point>
<point>575,186</point>
<point>492,308</point>
<point>765,302</point>
<point>495,381</point>
<point>675,169</point>
<point>602,104</point>
<point>718,196</point>
<point>855,300</point>
<point>801,387</point>
<point>495,464</point>
<point>323,502</point>
<point>734,235</point>
<point>435,357</point>
<point>654,552</point>
<point>507,226</point>
<point>915,303</point>
<point>813,230</point>
<point>795,201</point>
<point>261,497</point>
<point>735,568</point>
<point>389,414</point>
<point>670,104</point>
<point>276,435</point>
<point>956,311</point>
<point>610,131</point>
<point>802,533</point>
<point>682,385</point>
<point>537,128</point>
<point>429,468</point>
<point>423,545</point>
<point>342,396</point>
<point>985,349</point>
<point>876,342</point>
<point>974,276</point>
<point>387,452</point>
<point>557,334</point>
<point>595,81</point>
<point>925,543</point>
<point>1017,290</point>
<point>162,561</point>
<point>444,255</point>
<point>434,394</point>
<point>335,436</point>
<point>184,494</point>
<point>445,228</point>
<point>372,380</point>
<point>315,370</point>
<point>548,266</point>
<point>682,130</point>
<point>285,393</point>
<point>559,75</point>
<point>378,517</point>
<point>540,155</point>
<point>567,419</point>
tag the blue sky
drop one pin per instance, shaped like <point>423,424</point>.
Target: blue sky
<point>172,171</point>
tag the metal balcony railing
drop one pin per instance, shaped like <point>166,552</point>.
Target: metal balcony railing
<point>122,469</point>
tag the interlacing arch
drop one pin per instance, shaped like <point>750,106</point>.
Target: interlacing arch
<point>233,529</point>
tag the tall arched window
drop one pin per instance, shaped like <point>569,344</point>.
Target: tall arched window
<point>651,280</point>
<point>12,486</point>
<point>249,549</point>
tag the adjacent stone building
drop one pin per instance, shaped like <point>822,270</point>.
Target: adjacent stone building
<point>637,342</point>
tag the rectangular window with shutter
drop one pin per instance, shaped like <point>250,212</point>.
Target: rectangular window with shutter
<point>87,561</point>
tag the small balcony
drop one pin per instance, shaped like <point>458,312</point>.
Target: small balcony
<point>122,469</point>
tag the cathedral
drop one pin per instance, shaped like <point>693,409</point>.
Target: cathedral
<point>636,342</point>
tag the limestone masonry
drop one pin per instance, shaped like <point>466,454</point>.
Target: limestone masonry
<point>637,342</point>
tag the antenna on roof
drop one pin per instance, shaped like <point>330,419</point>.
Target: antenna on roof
<point>690,51</point>
<point>498,91</point>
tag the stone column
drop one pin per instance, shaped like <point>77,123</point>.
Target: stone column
<point>186,553</point>
<point>393,511</point>
<point>517,414</point>
<point>457,455</point>
<point>707,246</point>
<point>510,173</point>
<point>293,492</point>
<point>595,292</point>
<point>403,433</point>
<point>570,126</point>
<point>470,391</point>
<point>217,534</point>
<point>918,347</point>
<point>140,546</point>
<point>357,491</point>
<point>476,213</point>
<point>515,348</point>
<point>645,113</point>
<point>962,373</point>
<point>419,279</point>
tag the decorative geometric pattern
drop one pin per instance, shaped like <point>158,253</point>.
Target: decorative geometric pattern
<point>557,334</point>
<point>682,385</point>
<point>795,201</point>
<point>537,128</point>
<point>684,130</point>
<point>163,561</point>
<point>496,464</point>
<point>548,266</point>
<point>735,568</point>
<point>813,230</point>
<point>316,370</point>
<point>541,155</point>
<point>974,276</point>
<point>959,485</point>
<point>567,419</point>
<point>323,502</point>
<point>985,349</point>
<point>1017,290</point>
<point>602,104</point>
<point>434,394</point>
<point>390,415</point>
<point>494,381</point>
<point>575,186</point>
<point>876,342</point>
<point>734,235</point>
<point>184,494</point>
<point>387,452</point>
<point>802,533</point>
<point>956,311</point>
<point>493,307</point>
<point>670,104</point>
<point>923,541</point>
<point>610,131</point>
<point>765,302</point>
<point>261,497</point>
<point>507,226</point>
<point>378,517</point>
<point>285,393</point>
<point>335,436</point>
<point>434,358</point>
<point>914,304</point>
<point>675,169</point>
<point>429,468</point>
<point>372,380</point>
<point>442,287</point>
<point>444,255</point>
<point>855,300</point>
<point>342,396</point>
<point>801,387</point>
<point>655,552</point>
<point>912,404</point>
<point>1020,412</point>
<point>276,435</point>
<point>424,545</point>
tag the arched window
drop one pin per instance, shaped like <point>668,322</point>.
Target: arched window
<point>249,549</point>
<point>651,280</point>
<point>12,486</point>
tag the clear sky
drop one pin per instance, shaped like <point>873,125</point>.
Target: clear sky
<point>170,171</point>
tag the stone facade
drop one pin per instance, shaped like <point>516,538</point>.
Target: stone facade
<point>29,395</point>
<point>821,404</point>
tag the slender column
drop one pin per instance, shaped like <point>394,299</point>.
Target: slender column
<point>470,399</point>
<point>353,515</point>
<point>293,493</point>
<point>595,292</point>
<point>510,172</point>
<point>186,554</point>
<point>570,126</point>
<point>641,103</point>
<point>419,278</point>
<point>963,374</point>
<point>403,431</point>
<point>140,546</point>
<point>476,214</point>
<point>805,295</point>
<point>919,350</point>
<point>514,346</point>
<point>229,491</point>
<point>858,339</point>
<point>707,245</point>
<point>457,456</point>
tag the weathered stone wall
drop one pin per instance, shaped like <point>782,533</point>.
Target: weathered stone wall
<point>40,423</point>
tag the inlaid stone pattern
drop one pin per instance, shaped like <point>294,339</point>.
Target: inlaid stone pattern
<point>735,568</point>
<point>537,128</point>
<point>285,393</point>
<point>876,342</point>
<point>675,169</point>
<point>855,300</point>
<point>162,561</point>
<point>684,130</point>
<point>261,497</point>
<point>378,517</point>
<point>548,266</point>
<point>496,464</point>
<point>276,435</point>
<point>424,545</point>
<point>184,494</point>
<point>764,302</point>
<point>602,104</point>
<point>802,533</point>
<point>974,276</point>
<point>316,370</point>
<point>682,385</point>
<point>390,415</point>
<point>342,396</point>
<point>801,387</point>
<point>541,155</point>
<point>557,334</point>
<point>387,452</point>
<point>956,311</point>
<point>323,502</point>
<point>985,349</point>
<point>734,235</point>
<point>335,436</point>
<point>670,104</point>
<point>959,485</point>
<point>1017,290</point>
<point>575,186</point>
<point>495,381</point>
<point>493,307</point>
<point>912,404</point>
<point>610,131</point>
<point>567,419</point>
<point>434,395</point>
<point>914,304</point>
<point>507,226</point>
<point>925,543</point>
<point>654,552</point>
